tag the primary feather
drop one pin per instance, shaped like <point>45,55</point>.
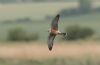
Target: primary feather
<point>54,24</point>
<point>50,41</point>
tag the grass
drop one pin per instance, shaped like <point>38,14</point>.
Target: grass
<point>38,54</point>
<point>41,27</point>
<point>37,14</point>
<point>39,51</point>
<point>86,60</point>
<point>33,10</point>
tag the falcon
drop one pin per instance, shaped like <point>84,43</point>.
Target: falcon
<point>53,31</point>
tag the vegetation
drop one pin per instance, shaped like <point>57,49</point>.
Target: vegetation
<point>85,6</point>
<point>23,20</point>
<point>76,32</point>
<point>41,27</point>
<point>18,34</point>
<point>88,60</point>
<point>15,1</point>
<point>18,18</point>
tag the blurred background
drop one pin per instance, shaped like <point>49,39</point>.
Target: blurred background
<point>24,28</point>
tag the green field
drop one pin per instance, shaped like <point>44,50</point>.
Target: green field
<point>41,27</point>
<point>39,24</point>
<point>35,10</point>
<point>32,10</point>
<point>87,60</point>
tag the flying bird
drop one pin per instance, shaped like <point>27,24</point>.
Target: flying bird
<point>53,31</point>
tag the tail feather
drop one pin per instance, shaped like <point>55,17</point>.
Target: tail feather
<point>62,34</point>
<point>65,35</point>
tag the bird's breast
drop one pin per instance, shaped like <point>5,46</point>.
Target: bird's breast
<point>55,31</point>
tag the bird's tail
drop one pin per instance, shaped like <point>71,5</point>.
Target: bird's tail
<point>62,34</point>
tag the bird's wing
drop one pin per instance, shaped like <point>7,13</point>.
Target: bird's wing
<point>54,24</point>
<point>51,38</point>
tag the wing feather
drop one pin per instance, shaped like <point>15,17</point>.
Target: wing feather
<point>54,24</point>
<point>51,38</point>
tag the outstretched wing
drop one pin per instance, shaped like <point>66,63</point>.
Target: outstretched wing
<point>54,24</point>
<point>51,38</point>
